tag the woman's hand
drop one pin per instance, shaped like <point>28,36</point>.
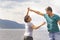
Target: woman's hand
<point>28,9</point>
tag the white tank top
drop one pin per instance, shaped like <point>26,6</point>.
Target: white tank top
<point>28,29</point>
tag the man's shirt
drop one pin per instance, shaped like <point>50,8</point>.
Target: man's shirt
<point>52,23</point>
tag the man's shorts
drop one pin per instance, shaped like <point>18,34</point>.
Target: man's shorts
<point>54,36</point>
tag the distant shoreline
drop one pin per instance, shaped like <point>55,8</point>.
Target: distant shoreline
<point>11,29</point>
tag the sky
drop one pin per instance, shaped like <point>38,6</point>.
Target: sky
<point>15,10</point>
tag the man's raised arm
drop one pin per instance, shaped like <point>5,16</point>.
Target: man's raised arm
<point>36,12</point>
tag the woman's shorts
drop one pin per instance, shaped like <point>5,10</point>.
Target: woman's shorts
<point>28,38</point>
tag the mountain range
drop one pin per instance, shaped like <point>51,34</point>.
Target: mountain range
<point>8,24</point>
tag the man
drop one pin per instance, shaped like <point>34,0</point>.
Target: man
<point>52,22</point>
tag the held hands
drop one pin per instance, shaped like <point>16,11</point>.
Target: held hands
<point>29,9</point>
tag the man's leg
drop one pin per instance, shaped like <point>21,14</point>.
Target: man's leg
<point>52,36</point>
<point>57,36</point>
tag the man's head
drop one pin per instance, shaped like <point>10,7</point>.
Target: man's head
<point>27,18</point>
<point>48,10</point>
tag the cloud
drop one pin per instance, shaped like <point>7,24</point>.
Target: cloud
<point>10,10</point>
<point>15,0</point>
<point>55,5</point>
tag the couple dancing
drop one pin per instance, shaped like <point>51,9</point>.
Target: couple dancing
<point>52,24</point>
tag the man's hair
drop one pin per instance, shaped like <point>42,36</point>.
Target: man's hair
<point>49,9</point>
<point>26,18</point>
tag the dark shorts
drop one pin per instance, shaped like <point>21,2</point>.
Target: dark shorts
<point>28,38</point>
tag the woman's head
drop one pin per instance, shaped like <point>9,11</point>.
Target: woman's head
<point>27,18</point>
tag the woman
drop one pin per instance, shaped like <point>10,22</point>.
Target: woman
<point>29,27</point>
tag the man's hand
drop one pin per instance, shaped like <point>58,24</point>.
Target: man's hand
<point>59,22</point>
<point>30,9</point>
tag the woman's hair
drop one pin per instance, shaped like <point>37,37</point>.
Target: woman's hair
<point>26,18</point>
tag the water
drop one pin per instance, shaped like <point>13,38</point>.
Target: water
<point>17,34</point>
